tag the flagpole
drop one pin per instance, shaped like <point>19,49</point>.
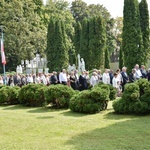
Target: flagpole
<point>3,63</point>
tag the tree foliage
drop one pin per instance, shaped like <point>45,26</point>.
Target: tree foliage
<point>132,43</point>
<point>57,50</point>
<point>144,20</point>
<point>24,32</point>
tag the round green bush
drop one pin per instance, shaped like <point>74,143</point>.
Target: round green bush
<point>90,101</point>
<point>59,95</point>
<point>135,99</point>
<point>111,90</point>
<point>32,95</point>
<point>120,106</point>
<point>143,84</point>
<point>9,95</point>
<point>131,92</point>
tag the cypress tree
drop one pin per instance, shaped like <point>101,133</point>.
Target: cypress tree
<point>121,59</point>
<point>57,52</point>
<point>97,42</point>
<point>77,37</point>
<point>84,43</point>
<point>100,45</point>
<point>50,50</point>
<point>132,38</point>
<point>107,59</point>
<point>144,20</point>
<point>92,43</point>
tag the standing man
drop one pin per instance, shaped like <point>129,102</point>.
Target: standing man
<point>138,73</point>
<point>63,77</point>
<point>53,78</point>
<point>143,71</point>
<point>125,78</point>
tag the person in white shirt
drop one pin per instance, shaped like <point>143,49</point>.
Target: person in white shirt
<point>94,79</point>
<point>43,79</point>
<point>30,79</point>
<point>138,73</point>
<point>115,82</point>
<point>37,79</point>
<point>106,77</point>
<point>63,77</point>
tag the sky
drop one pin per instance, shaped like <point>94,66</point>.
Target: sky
<point>115,7</point>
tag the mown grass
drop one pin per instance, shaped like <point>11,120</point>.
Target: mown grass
<point>23,128</point>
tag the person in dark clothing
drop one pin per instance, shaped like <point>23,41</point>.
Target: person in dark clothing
<point>125,78</point>
<point>143,71</point>
<point>83,81</point>
<point>73,81</point>
<point>148,74</point>
<point>54,78</point>
<point>132,76</point>
<point>111,74</point>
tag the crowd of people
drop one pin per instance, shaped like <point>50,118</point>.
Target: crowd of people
<point>81,81</point>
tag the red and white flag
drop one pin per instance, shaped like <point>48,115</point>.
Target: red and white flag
<point>2,53</point>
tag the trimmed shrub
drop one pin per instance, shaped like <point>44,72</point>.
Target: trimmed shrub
<point>110,88</point>
<point>131,92</point>
<point>135,99</point>
<point>113,92</point>
<point>144,85</point>
<point>59,95</point>
<point>120,106</point>
<point>9,95</point>
<point>32,95</point>
<point>90,101</point>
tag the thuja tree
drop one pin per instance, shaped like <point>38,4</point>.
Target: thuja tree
<point>120,58</point>
<point>84,42</point>
<point>132,38</point>
<point>144,20</point>
<point>97,42</point>
<point>107,59</point>
<point>57,52</point>
<point>77,37</point>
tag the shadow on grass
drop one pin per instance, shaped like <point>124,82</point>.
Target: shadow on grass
<point>14,107</point>
<point>31,109</point>
<point>124,135</point>
<point>45,117</point>
<point>73,114</point>
<point>112,115</point>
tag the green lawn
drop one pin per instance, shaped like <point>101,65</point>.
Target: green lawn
<point>23,128</point>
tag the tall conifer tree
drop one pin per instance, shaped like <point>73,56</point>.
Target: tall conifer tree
<point>77,37</point>
<point>107,59</point>
<point>57,52</point>
<point>84,42</point>
<point>132,38</point>
<point>144,19</point>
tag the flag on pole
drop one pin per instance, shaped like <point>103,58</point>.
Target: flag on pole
<point>2,53</point>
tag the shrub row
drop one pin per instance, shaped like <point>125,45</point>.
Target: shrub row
<point>59,96</point>
<point>135,99</point>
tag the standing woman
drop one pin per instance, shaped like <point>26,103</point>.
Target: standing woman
<point>73,83</point>
<point>106,77</point>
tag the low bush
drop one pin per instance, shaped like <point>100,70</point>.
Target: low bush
<point>59,95</point>
<point>144,85</point>
<point>32,95</point>
<point>9,95</point>
<point>90,101</point>
<point>110,88</point>
<point>135,99</point>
